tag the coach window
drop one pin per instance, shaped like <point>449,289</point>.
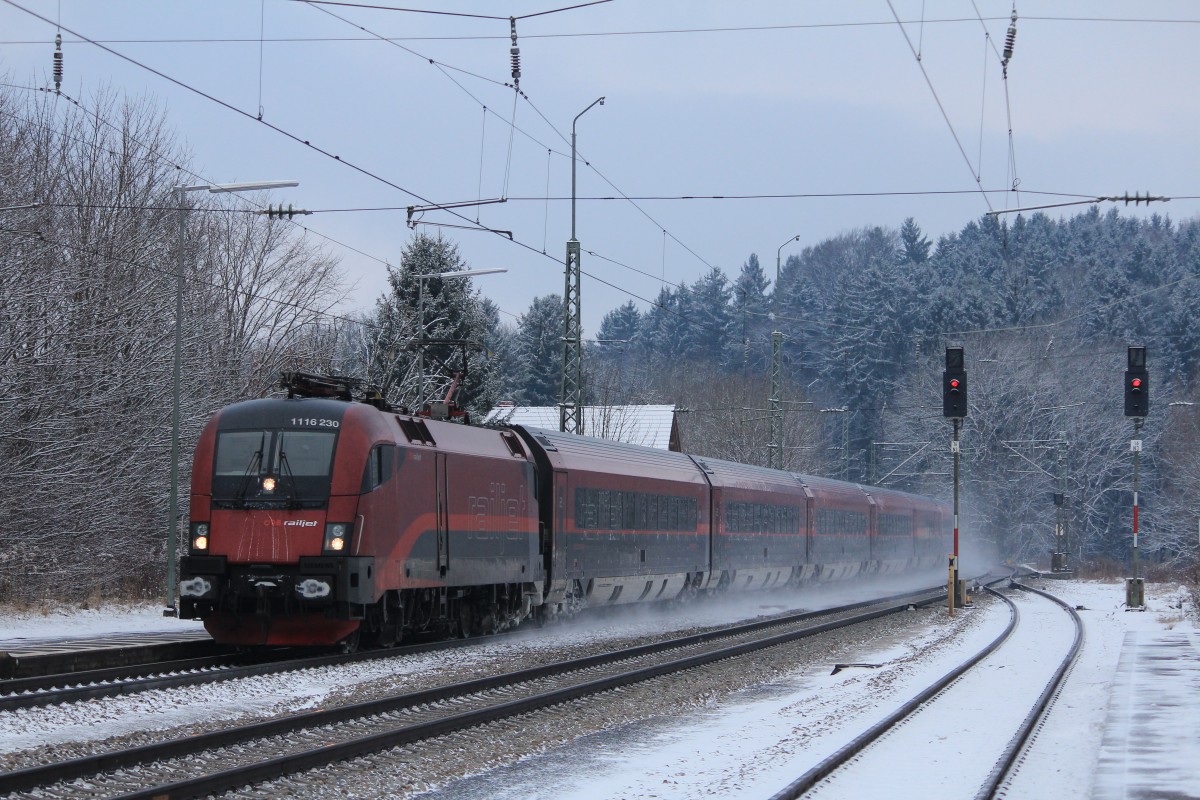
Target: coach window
<point>379,467</point>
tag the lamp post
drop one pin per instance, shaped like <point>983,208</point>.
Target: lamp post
<point>775,447</point>
<point>173,507</point>
<point>466,273</point>
<point>845,439</point>
<point>570,417</point>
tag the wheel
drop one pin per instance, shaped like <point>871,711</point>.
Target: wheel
<point>350,643</point>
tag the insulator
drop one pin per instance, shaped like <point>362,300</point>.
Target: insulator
<point>515,52</point>
<point>1011,38</point>
<point>58,62</point>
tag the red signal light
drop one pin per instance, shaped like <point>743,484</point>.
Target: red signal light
<point>1136,384</point>
<point>954,384</point>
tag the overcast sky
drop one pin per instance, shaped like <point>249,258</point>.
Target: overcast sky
<point>748,98</point>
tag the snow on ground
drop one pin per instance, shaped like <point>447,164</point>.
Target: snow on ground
<point>749,744</point>
<point>755,743</point>
<point>24,626</point>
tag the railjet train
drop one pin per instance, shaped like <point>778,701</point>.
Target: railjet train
<point>318,520</point>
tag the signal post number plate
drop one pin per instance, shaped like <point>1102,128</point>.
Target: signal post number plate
<point>1135,445</point>
<point>314,422</point>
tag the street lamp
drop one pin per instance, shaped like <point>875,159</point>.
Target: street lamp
<point>597,101</point>
<point>775,448</point>
<point>173,509</point>
<point>466,273</point>
<point>571,396</point>
<point>844,411</point>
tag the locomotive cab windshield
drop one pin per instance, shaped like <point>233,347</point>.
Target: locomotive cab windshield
<point>273,468</point>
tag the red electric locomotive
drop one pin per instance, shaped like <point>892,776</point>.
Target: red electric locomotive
<point>317,521</point>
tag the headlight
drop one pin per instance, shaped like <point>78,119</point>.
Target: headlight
<point>268,485</point>
<point>199,536</point>
<point>337,537</point>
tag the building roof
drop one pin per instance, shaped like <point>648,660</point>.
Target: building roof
<point>651,426</point>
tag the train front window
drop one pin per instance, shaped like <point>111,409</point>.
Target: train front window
<point>239,452</point>
<point>305,454</point>
<point>276,469</point>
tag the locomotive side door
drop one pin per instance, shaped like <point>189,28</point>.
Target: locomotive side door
<point>554,545</point>
<point>810,550</point>
<point>443,514</point>
<point>558,539</point>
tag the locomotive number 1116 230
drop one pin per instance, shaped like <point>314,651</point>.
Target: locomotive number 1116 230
<point>313,422</point>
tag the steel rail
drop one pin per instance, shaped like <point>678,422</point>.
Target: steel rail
<point>155,677</point>
<point>859,743</point>
<point>1003,769</point>
<point>42,689</point>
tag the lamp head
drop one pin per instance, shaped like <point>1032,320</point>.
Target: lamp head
<point>601,101</point>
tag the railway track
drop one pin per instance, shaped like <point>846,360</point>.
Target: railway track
<point>873,753</point>
<point>94,684</point>
<point>244,755</point>
<point>72,687</point>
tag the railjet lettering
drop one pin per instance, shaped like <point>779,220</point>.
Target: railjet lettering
<point>497,512</point>
<point>292,523</point>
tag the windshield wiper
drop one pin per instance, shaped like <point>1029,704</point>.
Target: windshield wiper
<point>286,469</point>
<point>251,469</point>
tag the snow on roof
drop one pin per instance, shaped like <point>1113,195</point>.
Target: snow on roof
<point>651,426</point>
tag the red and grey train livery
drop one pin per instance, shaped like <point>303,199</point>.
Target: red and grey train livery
<point>319,521</point>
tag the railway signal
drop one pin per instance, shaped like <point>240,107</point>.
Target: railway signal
<point>1137,384</point>
<point>954,406</point>
<point>1137,405</point>
<point>954,385</point>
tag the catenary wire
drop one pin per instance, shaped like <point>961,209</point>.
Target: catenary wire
<point>366,6</point>
<point>1012,178</point>
<point>352,165</point>
<point>938,100</point>
<point>152,155</point>
<point>597,34</point>
<point>549,124</point>
<point>512,125</point>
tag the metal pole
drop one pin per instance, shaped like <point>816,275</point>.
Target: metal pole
<point>1137,452</point>
<point>845,444</point>
<point>570,412</point>
<point>420,341</point>
<point>1136,599</point>
<point>775,446</point>
<point>1057,558</point>
<point>1066,512</point>
<point>173,505</point>
<point>954,449</point>
<point>599,100</point>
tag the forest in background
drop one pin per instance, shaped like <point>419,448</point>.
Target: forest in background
<point>1044,308</point>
